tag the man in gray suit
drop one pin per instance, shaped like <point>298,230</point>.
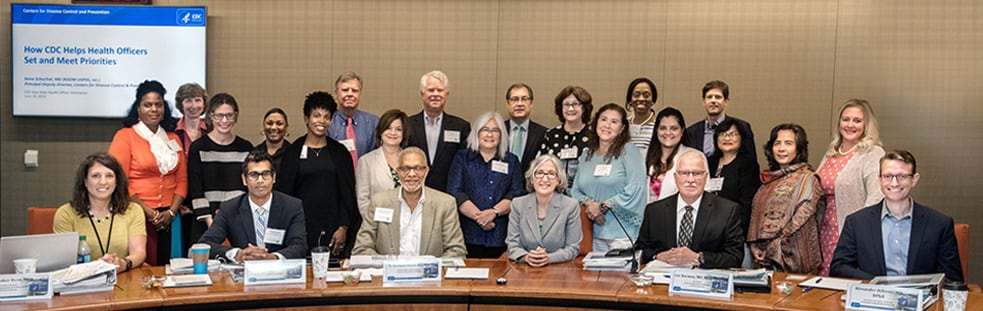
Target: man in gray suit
<point>261,224</point>
<point>412,219</point>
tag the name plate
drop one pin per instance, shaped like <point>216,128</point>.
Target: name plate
<point>409,271</point>
<point>264,272</point>
<point>25,286</point>
<point>701,283</point>
<point>880,297</point>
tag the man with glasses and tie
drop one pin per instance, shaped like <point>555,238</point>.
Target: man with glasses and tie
<point>412,219</point>
<point>692,227</point>
<point>897,236</point>
<point>261,224</point>
<point>525,134</point>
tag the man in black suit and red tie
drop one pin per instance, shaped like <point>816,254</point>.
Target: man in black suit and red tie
<point>261,224</point>
<point>692,227</point>
<point>525,135</point>
<point>439,134</point>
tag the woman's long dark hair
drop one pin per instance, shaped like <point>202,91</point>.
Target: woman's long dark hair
<point>653,159</point>
<point>801,145</point>
<point>618,145</point>
<point>80,194</point>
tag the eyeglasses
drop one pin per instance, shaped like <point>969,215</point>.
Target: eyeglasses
<point>254,175</point>
<point>734,134</point>
<point>691,173</point>
<point>491,130</point>
<point>899,178</point>
<point>551,175</point>
<point>408,169</point>
<point>572,105</point>
<point>227,116</point>
<point>517,99</point>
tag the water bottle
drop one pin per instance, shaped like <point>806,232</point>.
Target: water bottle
<point>84,254</point>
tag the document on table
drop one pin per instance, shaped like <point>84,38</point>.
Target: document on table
<point>187,280</point>
<point>337,277</point>
<point>829,283</point>
<point>467,273</point>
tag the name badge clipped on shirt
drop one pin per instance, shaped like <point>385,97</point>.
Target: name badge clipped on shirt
<point>174,145</point>
<point>349,144</point>
<point>383,214</point>
<point>715,184</point>
<point>568,153</point>
<point>452,136</point>
<point>303,152</point>
<point>274,236</point>
<point>602,170</point>
<point>499,166</point>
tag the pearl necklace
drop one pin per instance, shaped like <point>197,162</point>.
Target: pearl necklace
<point>840,150</point>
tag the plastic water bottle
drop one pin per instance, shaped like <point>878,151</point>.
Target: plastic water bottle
<point>84,254</point>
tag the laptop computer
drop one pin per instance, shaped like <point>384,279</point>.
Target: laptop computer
<point>54,251</point>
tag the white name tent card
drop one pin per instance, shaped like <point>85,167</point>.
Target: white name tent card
<point>411,271</point>
<point>879,297</point>
<point>702,284</point>
<point>263,272</point>
<point>25,286</point>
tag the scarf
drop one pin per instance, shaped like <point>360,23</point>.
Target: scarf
<point>166,157</point>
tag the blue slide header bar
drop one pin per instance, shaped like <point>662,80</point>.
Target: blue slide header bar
<point>108,15</point>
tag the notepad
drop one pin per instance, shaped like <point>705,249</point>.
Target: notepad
<point>467,273</point>
<point>829,283</point>
<point>187,280</point>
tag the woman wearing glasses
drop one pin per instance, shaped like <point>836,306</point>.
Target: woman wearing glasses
<point>733,170</point>
<point>783,234</point>
<point>544,226</point>
<point>215,163</point>
<point>483,179</point>
<point>569,140</point>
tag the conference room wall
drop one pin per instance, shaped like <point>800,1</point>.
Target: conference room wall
<point>786,61</point>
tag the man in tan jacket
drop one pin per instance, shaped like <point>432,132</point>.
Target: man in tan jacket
<point>411,219</point>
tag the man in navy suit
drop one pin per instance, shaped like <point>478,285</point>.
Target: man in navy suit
<point>525,135</point>
<point>261,224</point>
<point>716,96</point>
<point>439,134</point>
<point>897,236</point>
<point>692,227</point>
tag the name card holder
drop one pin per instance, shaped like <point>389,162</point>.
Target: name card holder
<point>266,272</point>
<point>32,286</point>
<point>881,297</point>
<point>411,272</point>
<point>702,284</point>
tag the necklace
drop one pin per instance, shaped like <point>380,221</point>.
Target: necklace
<point>840,150</point>
<point>112,219</point>
<point>317,151</point>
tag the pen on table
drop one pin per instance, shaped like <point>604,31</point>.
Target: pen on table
<point>820,279</point>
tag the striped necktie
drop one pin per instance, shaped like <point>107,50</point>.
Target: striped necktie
<point>260,224</point>
<point>686,228</point>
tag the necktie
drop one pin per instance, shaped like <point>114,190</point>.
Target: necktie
<point>350,134</point>
<point>517,141</point>
<point>686,228</point>
<point>260,225</point>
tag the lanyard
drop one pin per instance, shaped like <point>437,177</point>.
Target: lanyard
<point>112,219</point>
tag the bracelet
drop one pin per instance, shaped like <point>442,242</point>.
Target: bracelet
<point>171,212</point>
<point>129,264</point>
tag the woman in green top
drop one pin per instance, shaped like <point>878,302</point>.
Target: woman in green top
<point>101,210</point>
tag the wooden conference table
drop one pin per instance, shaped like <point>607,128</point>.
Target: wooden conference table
<point>562,286</point>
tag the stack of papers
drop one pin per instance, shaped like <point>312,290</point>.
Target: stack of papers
<point>756,277</point>
<point>187,280</point>
<point>829,283</point>
<point>337,277</point>
<point>89,277</point>
<point>467,273</point>
<point>186,266</point>
<point>595,261</point>
<point>661,271</point>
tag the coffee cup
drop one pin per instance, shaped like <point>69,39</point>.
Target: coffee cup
<point>25,265</point>
<point>319,261</point>
<point>954,295</point>
<point>199,257</point>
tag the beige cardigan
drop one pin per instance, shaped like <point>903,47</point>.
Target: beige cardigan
<point>857,186</point>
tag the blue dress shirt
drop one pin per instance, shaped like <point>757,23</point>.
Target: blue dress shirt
<point>471,178</point>
<point>895,236</point>
<point>364,124</point>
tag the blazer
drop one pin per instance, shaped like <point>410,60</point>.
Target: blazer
<point>695,135</point>
<point>717,231</point>
<point>857,185</point>
<point>440,233</point>
<point>235,222</point>
<point>932,249</point>
<point>741,182</point>
<point>371,176</point>
<point>561,232</point>
<point>534,139</point>
<point>440,161</point>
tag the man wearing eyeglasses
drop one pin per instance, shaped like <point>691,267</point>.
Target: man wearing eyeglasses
<point>525,135</point>
<point>897,236</point>
<point>412,219</point>
<point>716,96</point>
<point>692,227</point>
<point>261,224</point>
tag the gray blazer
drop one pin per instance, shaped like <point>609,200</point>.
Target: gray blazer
<point>441,230</point>
<point>561,233</point>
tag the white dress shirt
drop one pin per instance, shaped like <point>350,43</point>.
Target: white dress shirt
<point>410,226</point>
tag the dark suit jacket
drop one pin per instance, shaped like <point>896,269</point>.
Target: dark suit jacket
<point>694,133</point>
<point>441,161</point>
<point>235,222</point>
<point>716,233</point>
<point>860,252</point>
<point>741,181</point>
<point>534,138</point>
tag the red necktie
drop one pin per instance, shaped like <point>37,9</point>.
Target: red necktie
<point>350,134</point>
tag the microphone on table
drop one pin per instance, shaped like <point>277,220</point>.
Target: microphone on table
<point>621,252</point>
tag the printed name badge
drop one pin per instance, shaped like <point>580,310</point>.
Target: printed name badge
<point>568,153</point>
<point>499,166</point>
<point>702,283</point>
<point>173,145</point>
<point>349,144</point>
<point>602,170</point>
<point>452,136</point>
<point>882,297</point>
<point>715,184</point>
<point>303,152</point>
<point>274,236</point>
<point>383,214</point>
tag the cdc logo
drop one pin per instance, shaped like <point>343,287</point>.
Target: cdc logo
<point>191,17</point>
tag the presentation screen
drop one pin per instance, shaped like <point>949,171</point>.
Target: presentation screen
<point>87,61</point>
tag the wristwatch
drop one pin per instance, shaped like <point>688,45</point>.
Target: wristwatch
<point>701,258</point>
<point>129,264</point>
<point>495,211</point>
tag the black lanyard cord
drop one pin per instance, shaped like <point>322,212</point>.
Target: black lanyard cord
<point>112,219</point>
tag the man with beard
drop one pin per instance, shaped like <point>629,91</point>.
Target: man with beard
<point>716,96</point>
